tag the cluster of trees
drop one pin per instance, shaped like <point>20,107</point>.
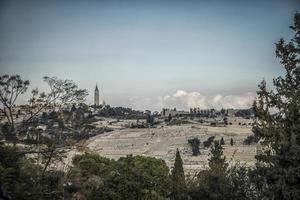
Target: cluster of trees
<point>275,176</point>
<point>131,177</point>
<point>245,113</point>
<point>195,144</point>
<point>128,113</point>
<point>62,93</point>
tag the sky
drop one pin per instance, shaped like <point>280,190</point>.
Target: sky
<point>148,54</point>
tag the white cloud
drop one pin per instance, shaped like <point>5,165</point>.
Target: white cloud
<point>185,100</point>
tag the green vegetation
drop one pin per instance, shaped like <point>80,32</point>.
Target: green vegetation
<point>212,183</point>
<point>195,142</point>
<point>231,142</point>
<point>222,142</point>
<point>21,178</point>
<point>178,186</point>
<point>131,177</point>
<point>128,113</point>
<point>25,164</point>
<point>251,139</point>
<point>277,175</point>
<point>209,142</point>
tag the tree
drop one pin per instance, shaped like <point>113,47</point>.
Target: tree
<point>131,177</point>
<point>239,185</point>
<point>251,139</point>
<point>213,183</point>
<point>169,117</point>
<point>217,162</point>
<point>195,142</point>
<point>231,142</point>
<point>222,142</point>
<point>178,185</point>
<point>19,177</point>
<point>209,141</point>
<point>225,120</point>
<point>62,93</point>
<point>223,111</point>
<point>11,87</point>
<point>277,125</point>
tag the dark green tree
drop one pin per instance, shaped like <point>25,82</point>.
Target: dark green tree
<point>209,141</point>
<point>212,184</point>
<point>277,125</point>
<point>178,185</point>
<point>217,162</point>
<point>231,141</point>
<point>20,177</point>
<point>169,117</point>
<point>222,142</point>
<point>131,177</point>
<point>195,142</point>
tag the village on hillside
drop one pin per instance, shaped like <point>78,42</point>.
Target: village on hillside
<point>115,132</point>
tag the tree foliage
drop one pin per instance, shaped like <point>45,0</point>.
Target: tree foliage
<point>131,177</point>
<point>277,125</point>
<point>178,187</point>
<point>11,87</point>
<point>212,183</point>
<point>195,143</point>
<point>20,177</point>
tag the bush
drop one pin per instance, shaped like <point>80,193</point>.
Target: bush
<point>250,140</point>
<point>222,142</point>
<point>208,142</point>
<point>195,142</point>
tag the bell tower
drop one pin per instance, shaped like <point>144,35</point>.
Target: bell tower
<point>96,96</point>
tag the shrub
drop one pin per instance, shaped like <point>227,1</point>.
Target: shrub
<point>208,142</point>
<point>195,142</point>
<point>250,140</point>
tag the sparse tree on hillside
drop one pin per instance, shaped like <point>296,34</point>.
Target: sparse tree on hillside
<point>62,93</point>
<point>231,141</point>
<point>222,142</point>
<point>11,87</point>
<point>209,141</point>
<point>169,117</point>
<point>195,142</point>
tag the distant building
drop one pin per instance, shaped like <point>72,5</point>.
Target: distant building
<point>173,112</point>
<point>230,112</point>
<point>96,96</point>
<point>147,112</point>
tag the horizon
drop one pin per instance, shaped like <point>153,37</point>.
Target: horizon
<point>148,55</point>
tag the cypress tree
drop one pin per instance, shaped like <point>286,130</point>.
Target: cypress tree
<point>217,162</point>
<point>213,183</point>
<point>178,190</point>
<point>222,142</point>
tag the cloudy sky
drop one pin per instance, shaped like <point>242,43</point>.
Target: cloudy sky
<point>148,54</point>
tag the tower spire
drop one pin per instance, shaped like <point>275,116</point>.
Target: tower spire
<point>96,96</point>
